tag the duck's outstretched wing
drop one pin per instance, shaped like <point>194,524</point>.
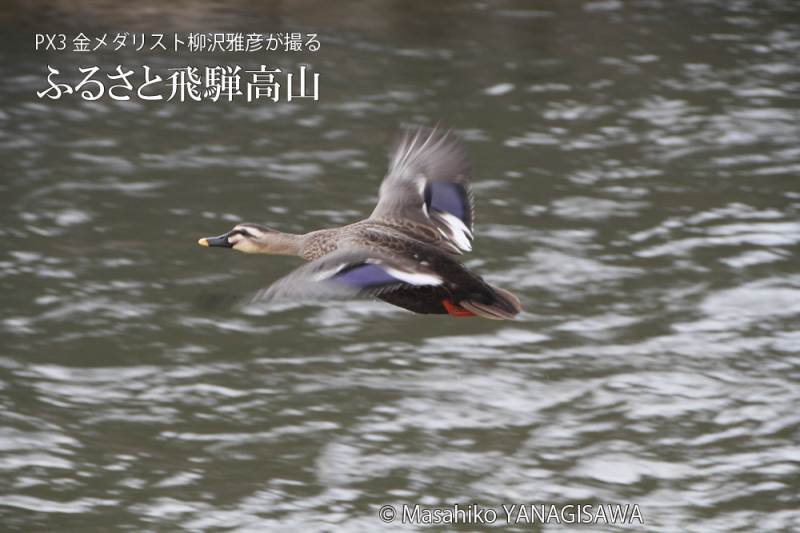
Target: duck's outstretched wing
<point>427,190</point>
<point>349,273</point>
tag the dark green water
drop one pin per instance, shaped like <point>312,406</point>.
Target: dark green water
<point>636,175</point>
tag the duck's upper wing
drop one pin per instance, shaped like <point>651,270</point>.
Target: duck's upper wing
<point>427,189</point>
<point>348,273</point>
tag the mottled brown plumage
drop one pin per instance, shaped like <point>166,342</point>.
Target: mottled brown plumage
<point>405,252</point>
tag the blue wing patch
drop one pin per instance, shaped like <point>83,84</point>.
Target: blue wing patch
<point>449,198</point>
<point>364,276</point>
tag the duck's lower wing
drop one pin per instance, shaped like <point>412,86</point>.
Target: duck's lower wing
<point>350,273</point>
<point>400,281</point>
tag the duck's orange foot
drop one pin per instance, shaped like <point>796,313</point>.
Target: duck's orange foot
<point>455,310</point>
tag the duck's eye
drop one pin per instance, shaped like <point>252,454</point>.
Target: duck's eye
<point>243,233</point>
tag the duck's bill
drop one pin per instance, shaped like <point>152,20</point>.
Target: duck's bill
<point>221,241</point>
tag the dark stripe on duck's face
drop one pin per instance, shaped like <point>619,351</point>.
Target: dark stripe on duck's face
<point>447,197</point>
<point>364,277</point>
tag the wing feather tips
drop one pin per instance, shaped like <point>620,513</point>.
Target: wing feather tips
<point>454,230</point>
<point>434,152</point>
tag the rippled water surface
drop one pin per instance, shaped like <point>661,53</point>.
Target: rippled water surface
<point>636,172</point>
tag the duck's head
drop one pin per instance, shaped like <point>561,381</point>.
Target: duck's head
<point>247,238</point>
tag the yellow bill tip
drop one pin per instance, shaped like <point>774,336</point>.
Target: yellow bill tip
<point>203,242</point>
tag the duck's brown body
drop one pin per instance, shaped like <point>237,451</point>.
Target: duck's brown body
<point>379,235</point>
<point>460,283</point>
<point>405,252</point>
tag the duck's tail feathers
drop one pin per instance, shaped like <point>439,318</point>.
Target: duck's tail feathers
<point>504,307</point>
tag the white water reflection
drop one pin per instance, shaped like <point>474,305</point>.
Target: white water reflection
<point>635,174</point>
